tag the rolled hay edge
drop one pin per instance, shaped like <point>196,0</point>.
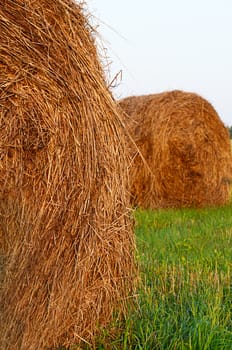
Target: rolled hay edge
<point>185,148</point>
<point>66,232</point>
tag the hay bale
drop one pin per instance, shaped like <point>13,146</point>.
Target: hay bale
<point>185,151</point>
<point>66,233</point>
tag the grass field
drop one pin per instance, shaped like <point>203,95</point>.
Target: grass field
<point>184,301</point>
<point>185,297</point>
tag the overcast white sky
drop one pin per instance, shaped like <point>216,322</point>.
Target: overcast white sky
<point>169,44</point>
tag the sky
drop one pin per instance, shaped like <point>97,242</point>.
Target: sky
<point>153,46</point>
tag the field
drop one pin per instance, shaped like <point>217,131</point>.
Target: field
<point>185,297</point>
<point>184,301</point>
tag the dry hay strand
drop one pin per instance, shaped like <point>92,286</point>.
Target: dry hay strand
<point>66,233</point>
<point>183,156</point>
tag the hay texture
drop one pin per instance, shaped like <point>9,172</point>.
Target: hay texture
<point>185,152</point>
<point>66,236</point>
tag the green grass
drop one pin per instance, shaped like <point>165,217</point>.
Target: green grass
<point>185,297</point>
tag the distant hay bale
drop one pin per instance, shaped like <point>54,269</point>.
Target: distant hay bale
<point>65,230</point>
<point>185,151</point>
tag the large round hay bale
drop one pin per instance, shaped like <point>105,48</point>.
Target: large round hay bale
<point>185,152</point>
<point>66,234</point>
